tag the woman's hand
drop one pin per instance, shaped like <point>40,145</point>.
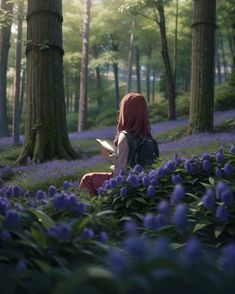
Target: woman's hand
<point>105,153</point>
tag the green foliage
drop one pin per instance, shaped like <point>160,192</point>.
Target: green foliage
<point>158,111</point>
<point>224,97</point>
<point>107,117</point>
<point>182,104</point>
<point>72,122</point>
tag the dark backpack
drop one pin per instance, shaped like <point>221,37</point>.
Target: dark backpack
<point>142,150</point>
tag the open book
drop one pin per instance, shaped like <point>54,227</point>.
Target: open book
<point>107,145</point>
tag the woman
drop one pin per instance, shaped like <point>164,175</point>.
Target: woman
<point>133,118</point>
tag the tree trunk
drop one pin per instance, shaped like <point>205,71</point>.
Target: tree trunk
<point>218,65</point>
<point>116,79</point>
<point>76,100</point>
<point>224,59</point>
<point>46,134</point>
<point>166,60</point>
<point>22,93</point>
<point>5,33</point>
<point>82,125</point>
<point>130,57</point>
<point>203,51</point>
<point>148,74</point>
<point>67,90</point>
<point>16,101</point>
<point>176,43</point>
<point>153,84</point>
<point>138,80</point>
<point>98,80</point>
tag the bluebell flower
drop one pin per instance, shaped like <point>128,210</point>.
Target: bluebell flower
<point>228,169</point>
<point>227,197</point>
<point>88,233</point>
<point>208,200</point>
<point>136,246</point>
<point>177,194</point>
<point>13,217</point>
<point>16,191</point>
<point>32,203</point>
<point>130,227</point>
<point>179,218</point>
<point>81,208</point>
<point>103,238</point>
<point>166,170</point>
<point>218,172</point>
<point>117,262</point>
<point>72,201</point>
<point>60,201</point>
<point>151,191</point>
<point>19,206</point>
<point>153,181</point>
<point>220,188</point>
<point>219,157</point>
<point>9,191</point>
<point>171,165</point>
<point>205,156</point>
<point>206,164</point>
<point>66,185</point>
<point>138,168</point>
<point>163,207</point>
<point>188,166</point>
<point>176,179</point>
<point>123,191</point>
<point>5,236</point>
<point>175,156</point>
<point>160,172</point>
<point>112,183</point>
<point>227,258</point>
<point>232,149</point>
<point>162,249</point>
<point>40,195</point>
<point>222,214</point>
<point>160,221</point>
<point>145,181</point>
<point>220,150</point>
<point>132,180</point>
<point>101,191</point>
<point>21,266</point>
<point>178,161</point>
<point>52,191</point>
<point>27,194</point>
<point>153,173</point>
<point>149,221</point>
<point>120,179</point>
<point>4,205</point>
<point>192,249</point>
<point>60,231</point>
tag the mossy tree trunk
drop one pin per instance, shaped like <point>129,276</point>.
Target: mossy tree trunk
<point>5,33</point>
<point>202,79</point>
<point>46,134</point>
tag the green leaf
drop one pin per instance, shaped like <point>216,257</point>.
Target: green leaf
<point>141,200</point>
<point>219,230</point>
<point>105,212</point>
<point>176,246</point>
<point>80,224</point>
<point>128,203</point>
<point>212,181</point>
<point>40,239</point>
<point>194,196</point>
<point>45,267</point>
<point>42,218</point>
<point>200,226</point>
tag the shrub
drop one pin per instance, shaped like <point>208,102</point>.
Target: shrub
<point>107,117</point>
<point>182,104</point>
<point>224,97</point>
<point>158,110</point>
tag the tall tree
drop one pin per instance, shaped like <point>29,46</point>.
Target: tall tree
<point>130,57</point>
<point>82,124</point>
<point>202,80</point>
<point>5,33</point>
<point>46,134</point>
<point>17,79</point>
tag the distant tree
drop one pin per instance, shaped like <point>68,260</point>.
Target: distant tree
<point>46,134</point>
<point>130,57</point>
<point>5,33</point>
<point>202,80</point>
<point>82,124</point>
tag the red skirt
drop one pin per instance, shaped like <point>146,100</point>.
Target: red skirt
<point>92,181</point>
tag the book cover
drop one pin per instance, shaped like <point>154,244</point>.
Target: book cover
<point>107,145</point>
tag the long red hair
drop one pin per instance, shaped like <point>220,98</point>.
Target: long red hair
<point>133,116</point>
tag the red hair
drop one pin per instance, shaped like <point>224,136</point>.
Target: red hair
<point>133,116</point>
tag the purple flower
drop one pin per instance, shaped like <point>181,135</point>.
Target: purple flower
<point>219,157</point>
<point>177,194</point>
<point>160,221</point>
<point>120,179</point>
<point>205,156</point>
<point>188,166</point>
<point>228,169</point>
<point>145,181</point>
<point>130,227</point>
<point>162,248</point>
<point>72,201</point>
<point>123,191</point>
<point>206,164</point>
<point>66,185</point>
<point>133,180</point>
<point>103,238</point>
<point>116,261</point>
<point>220,150</point>
<point>149,221</point>
<point>4,205</point>
<point>164,207</point>
<point>52,191</point>
<point>21,266</point>
<point>13,218</point>
<point>136,246</point>
<point>227,197</point>
<point>60,231</point>
<point>88,233</point>
<point>5,236</point>
<point>137,168</point>
<point>179,218</point>
<point>208,200</point>
<point>40,195</point>
<point>151,191</point>
<point>160,172</point>
<point>101,191</point>
<point>227,258</point>
<point>166,170</point>
<point>16,191</point>
<point>153,181</point>
<point>60,201</point>
<point>81,208</point>
<point>171,165</point>
<point>176,179</point>
<point>112,183</point>
<point>218,172</point>
<point>222,214</point>
<point>192,249</point>
<point>220,188</point>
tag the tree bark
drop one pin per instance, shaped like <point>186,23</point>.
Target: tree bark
<point>130,57</point>
<point>224,59</point>
<point>153,84</point>
<point>116,79</point>
<point>82,125</point>
<point>76,100</point>
<point>176,43</point>
<point>46,134</point>
<point>166,60</point>
<point>5,33</point>
<point>98,80</point>
<point>202,80</point>
<point>148,74</point>
<point>16,104</point>
<point>218,65</point>
<point>22,92</point>
<point>138,80</point>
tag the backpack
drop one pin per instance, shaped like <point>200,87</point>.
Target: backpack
<point>142,150</point>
